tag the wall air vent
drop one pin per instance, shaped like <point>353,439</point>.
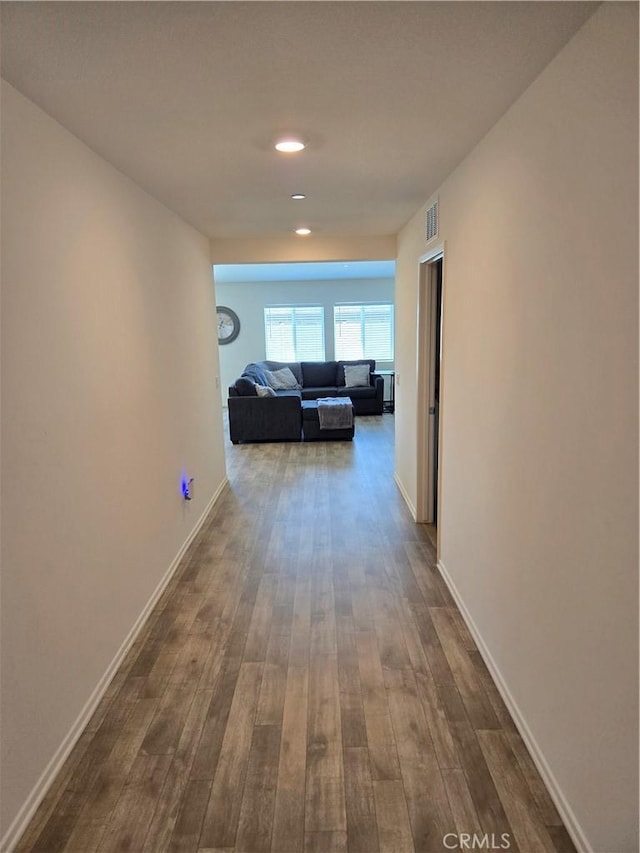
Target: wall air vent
<point>431,229</point>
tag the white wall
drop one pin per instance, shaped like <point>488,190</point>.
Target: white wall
<point>109,361</point>
<point>539,524</point>
<point>249,300</point>
<point>314,247</point>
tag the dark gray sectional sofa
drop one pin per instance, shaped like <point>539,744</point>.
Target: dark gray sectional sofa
<point>279,418</point>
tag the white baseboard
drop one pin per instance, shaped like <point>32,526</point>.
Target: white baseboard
<point>39,791</point>
<point>564,809</point>
<point>407,499</point>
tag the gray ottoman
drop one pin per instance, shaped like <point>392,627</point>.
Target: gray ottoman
<point>311,425</point>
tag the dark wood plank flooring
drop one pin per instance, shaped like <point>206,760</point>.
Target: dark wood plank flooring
<point>306,683</point>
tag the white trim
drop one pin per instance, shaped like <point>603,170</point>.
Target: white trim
<point>434,253</point>
<point>39,790</point>
<point>566,812</point>
<point>425,379</point>
<point>406,497</point>
<point>426,286</point>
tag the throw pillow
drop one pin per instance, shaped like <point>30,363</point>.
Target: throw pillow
<point>265,391</point>
<point>356,375</point>
<point>342,364</point>
<point>282,379</point>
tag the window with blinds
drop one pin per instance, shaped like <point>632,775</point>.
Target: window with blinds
<point>294,332</point>
<point>363,331</point>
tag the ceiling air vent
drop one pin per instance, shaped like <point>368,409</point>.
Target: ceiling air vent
<point>432,221</point>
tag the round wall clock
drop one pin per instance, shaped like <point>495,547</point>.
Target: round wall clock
<point>228,325</point>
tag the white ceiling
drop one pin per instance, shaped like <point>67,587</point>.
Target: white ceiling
<point>187,98</point>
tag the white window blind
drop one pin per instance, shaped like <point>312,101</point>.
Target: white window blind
<point>364,331</point>
<point>294,332</point>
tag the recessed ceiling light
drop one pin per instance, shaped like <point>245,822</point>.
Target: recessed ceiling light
<point>289,146</point>
<point>303,231</point>
<point>298,196</point>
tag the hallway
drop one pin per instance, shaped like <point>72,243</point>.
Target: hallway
<point>306,683</point>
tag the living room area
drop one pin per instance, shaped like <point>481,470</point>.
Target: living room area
<point>305,347</point>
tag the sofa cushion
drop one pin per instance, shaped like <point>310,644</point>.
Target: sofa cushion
<point>316,374</point>
<point>282,378</point>
<point>245,387</point>
<point>340,371</point>
<point>289,392</point>
<point>361,393</point>
<point>322,391</point>
<point>356,375</point>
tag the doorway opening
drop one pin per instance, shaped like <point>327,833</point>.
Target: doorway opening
<point>430,322</point>
<point>306,311</point>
